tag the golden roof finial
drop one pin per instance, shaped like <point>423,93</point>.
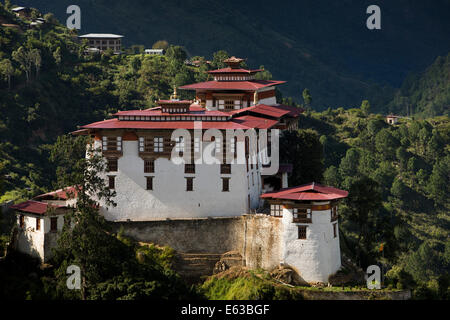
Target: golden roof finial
<point>174,94</point>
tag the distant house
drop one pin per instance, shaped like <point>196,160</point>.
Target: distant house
<point>391,119</point>
<point>22,12</point>
<point>104,41</point>
<point>154,51</point>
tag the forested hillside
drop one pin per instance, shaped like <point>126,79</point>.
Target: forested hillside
<point>398,205</point>
<point>48,87</point>
<point>425,94</point>
<point>321,45</point>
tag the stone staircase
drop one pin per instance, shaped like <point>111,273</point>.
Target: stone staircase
<point>195,267</point>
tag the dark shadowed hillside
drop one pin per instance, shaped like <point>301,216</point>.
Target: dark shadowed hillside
<point>321,45</point>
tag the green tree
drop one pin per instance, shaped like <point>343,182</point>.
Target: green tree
<point>386,144</point>
<point>218,57</point>
<point>363,204</point>
<point>160,44</point>
<point>303,149</point>
<point>365,107</point>
<point>307,98</point>
<point>438,185</point>
<point>57,56</point>
<point>25,59</point>
<point>7,70</point>
<point>331,177</point>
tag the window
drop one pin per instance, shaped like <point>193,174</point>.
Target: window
<point>149,166</point>
<point>229,104</point>
<point>335,230</point>
<point>158,144</point>
<point>149,183</point>
<point>189,168</point>
<point>217,144</point>
<point>334,215</point>
<point>179,146</point>
<point>276,210</point>
<point>301,215</point>
<point>111,182</point>
<point>21,221</point>
<point>225,168</point>
<point>112,164</point>
<point>302,232</point>
<point>53,223</point>
<point>38,224</point>
<point>112,143</point>
<point>196,144</point>
<point>189,184</point>
<point>225,184</point>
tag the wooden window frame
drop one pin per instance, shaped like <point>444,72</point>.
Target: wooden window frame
<point>149,183</point>
<point>276,210</point>
<point>149,166</point>
<point>113,163</point>
<point>158,144</point>
<point>189,168</point>
<point>21,221</point>
<point>38,224</point>
<point>334,230</point>
<point>189,183</point>
<point>225,184</point>
<point>53,224</point>
<point>334,215</point>
<point>228,104</point>
<point>225,169</point>
<point>300,215</point>
<point>112,182</point>
<point>302,232</point>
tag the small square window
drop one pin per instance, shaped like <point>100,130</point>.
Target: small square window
<point>189,184</point>
<point>302,232</point>
<point>112,182</point>
<point>189,168</point>
<point>149,166</point>
<point>225,184</point>
<point>158,144</point>
<point>112,164</point>
<point>149,183</point>
<point>276,210</point>
<point>53,224</point>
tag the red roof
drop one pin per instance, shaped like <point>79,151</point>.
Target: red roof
<point>62,194</point>
<point>32,206</point>
<point>232,85</point>
<point>231,70</point>
<point>311,191</point>
<point>275,111</point>
<point>246,122</point>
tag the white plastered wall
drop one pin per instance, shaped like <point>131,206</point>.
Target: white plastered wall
<point>169,198</point>
<point>316,257</point>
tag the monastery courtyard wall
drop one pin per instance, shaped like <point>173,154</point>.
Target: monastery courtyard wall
<point>255,236</point>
